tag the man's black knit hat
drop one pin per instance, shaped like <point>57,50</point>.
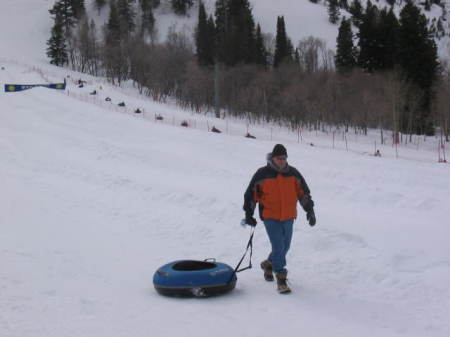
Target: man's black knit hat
<point>279,150</point>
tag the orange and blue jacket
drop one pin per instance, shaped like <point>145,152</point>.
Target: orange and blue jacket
<point>277,192</point>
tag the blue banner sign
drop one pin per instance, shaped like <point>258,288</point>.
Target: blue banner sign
<point>21,87</point>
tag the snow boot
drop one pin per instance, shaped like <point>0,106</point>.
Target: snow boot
<point>282,286</point>
<point>266,265</point>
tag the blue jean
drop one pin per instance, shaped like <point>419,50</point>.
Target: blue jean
<point>280,236</point>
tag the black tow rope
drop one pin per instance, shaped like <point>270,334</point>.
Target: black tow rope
<point>249,247</point>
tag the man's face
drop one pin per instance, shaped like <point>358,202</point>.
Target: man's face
<point>280,161</point>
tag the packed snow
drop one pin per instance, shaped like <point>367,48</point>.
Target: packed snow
<point>94,198</point>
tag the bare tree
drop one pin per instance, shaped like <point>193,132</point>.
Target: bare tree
<point>115,62</point>
<point>314,55</point>
<point>198,90</point>
<point>86,54</point>
<point>441,107</point>
<point>138,52</point>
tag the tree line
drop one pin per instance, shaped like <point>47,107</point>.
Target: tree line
<point>403,45</point>
<point>230,65</point>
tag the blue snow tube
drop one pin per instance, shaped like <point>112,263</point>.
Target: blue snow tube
<point>188,278</point>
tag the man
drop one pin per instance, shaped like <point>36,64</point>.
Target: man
<point>277,187</point>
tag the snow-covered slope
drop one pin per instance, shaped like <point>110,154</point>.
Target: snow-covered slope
<point>93,200</point>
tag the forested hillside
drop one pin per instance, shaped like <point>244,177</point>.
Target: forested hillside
<point>383,71</point>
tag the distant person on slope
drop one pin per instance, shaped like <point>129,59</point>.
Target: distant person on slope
<point>277,187</point>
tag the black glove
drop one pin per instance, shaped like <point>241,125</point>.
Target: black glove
<point>311,217</point>
<point>250,220</point>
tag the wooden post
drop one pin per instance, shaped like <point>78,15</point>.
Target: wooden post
<point>346,143</point>
<point>216,90</point>
<point>396,147</point>
<point>443,150</point>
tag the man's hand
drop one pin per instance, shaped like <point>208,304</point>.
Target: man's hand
<point>311,217</point>
<point>250,220</point>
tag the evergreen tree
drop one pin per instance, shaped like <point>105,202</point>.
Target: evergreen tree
<point>388,33</point>
<point>417,50</point>
<point>201,32</point>
<point>181,7</point>
<point>64,18</point>
<point>261,51</point>
<point>115,59</point>
<point>235,32</point>
<point>241,32</point>
<point>204,38</point>
<point>79,10</point>
<point>417,57</point>
<point>57,51</point>
<point>369,40</point>
<point>333,11</point>
<point>283,47</point>
<point>378,39</point>
<point>290,51</point>
<point>64,9</point>
<point>113,26</point>
<point>343,4</point>
<point>221,23</point>
<point>357,12</point>
<point>126,16</point>
<point>147,19</point>
<point>212,37</point>
<point>345,50</point>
